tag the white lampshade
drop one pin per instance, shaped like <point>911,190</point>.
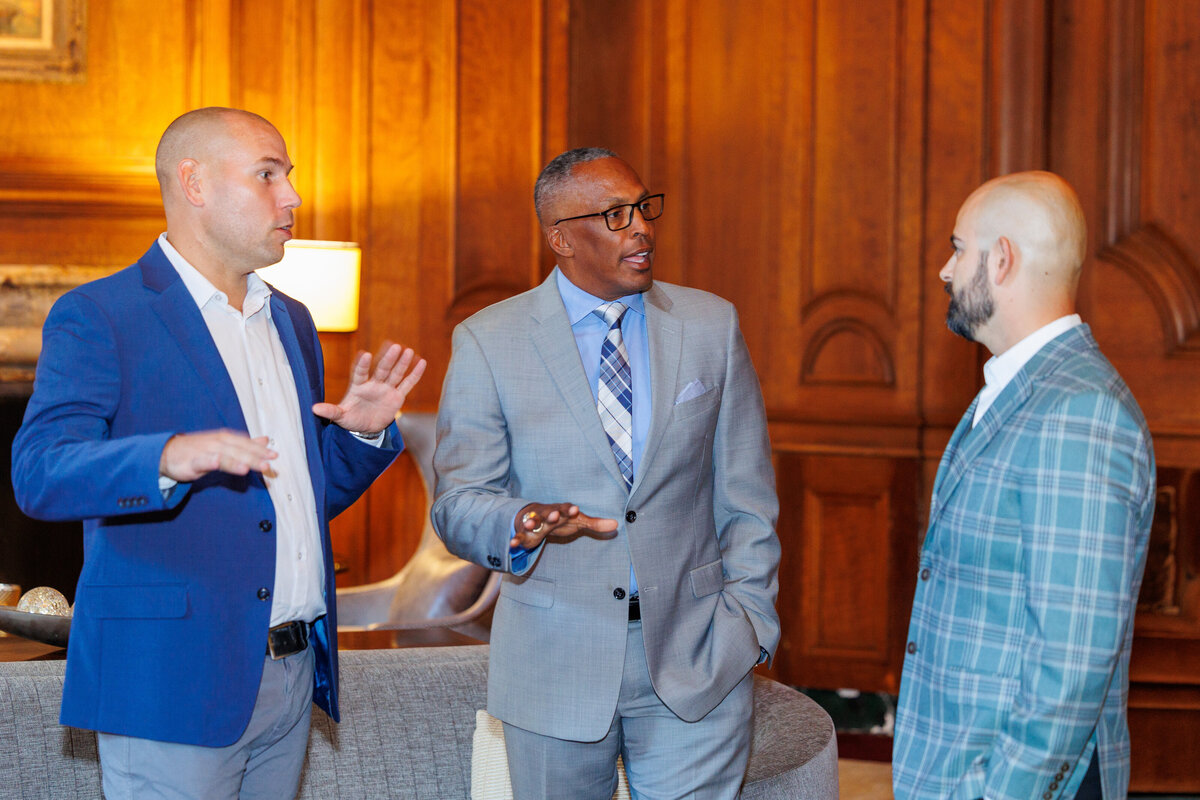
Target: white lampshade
<point>323,276</point>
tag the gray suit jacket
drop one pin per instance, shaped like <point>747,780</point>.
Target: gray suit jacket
<point>518,424</point>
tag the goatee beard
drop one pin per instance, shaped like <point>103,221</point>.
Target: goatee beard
<point>973,306</point>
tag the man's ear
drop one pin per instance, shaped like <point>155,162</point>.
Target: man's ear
<point>1003,254</point>
<point>558,242</point>
<point>188,175</point>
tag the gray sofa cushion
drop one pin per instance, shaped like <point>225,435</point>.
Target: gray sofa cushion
<point>408,720</point>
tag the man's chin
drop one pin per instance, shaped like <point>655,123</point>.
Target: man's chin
<point>960,328</point>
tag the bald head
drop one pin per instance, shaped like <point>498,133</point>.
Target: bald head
<point>1040,215</point>
<point>227,194</point>
<point>200,135</point>
<point>1019,243</point>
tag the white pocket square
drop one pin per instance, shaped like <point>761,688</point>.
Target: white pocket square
<point>693,389</point>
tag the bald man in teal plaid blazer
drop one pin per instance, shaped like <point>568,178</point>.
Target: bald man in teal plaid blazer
<point>1017,668</point>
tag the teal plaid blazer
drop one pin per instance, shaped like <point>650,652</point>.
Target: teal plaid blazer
<point>1017,666</point>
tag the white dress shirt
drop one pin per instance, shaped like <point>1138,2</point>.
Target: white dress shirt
<point>1000,370</point>
<point>254,357</point>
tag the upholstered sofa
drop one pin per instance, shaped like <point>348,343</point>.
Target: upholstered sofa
<point>407,729</point>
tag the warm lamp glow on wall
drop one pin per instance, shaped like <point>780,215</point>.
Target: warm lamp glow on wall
<point>323,276</point>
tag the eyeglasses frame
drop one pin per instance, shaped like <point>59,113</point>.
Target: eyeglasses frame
<point>632,206</point>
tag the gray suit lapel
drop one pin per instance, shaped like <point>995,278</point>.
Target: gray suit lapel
<point>554,340</point>
<point>665,333</point>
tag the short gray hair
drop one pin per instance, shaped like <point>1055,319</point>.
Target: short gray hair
<point>555,174</point>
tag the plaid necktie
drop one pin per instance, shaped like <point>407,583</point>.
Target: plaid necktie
<point>615,403</point>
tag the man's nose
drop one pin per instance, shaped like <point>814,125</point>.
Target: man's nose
<point>291,198</point>
<point>640,226</point>
<point>947,271</point>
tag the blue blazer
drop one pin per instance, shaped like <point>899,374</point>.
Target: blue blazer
<point>174,600</point>
<point>1017,667</point>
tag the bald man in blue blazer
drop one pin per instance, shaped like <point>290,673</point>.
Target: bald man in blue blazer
<point>178,410</point>
<point>1017,668</point>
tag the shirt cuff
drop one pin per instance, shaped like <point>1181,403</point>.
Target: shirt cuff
<point>518,559</point>
<point>373,439</point>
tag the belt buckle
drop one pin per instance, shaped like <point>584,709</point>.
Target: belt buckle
<point>287,639</point>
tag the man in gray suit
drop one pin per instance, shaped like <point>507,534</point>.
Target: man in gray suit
<point>602,441</point>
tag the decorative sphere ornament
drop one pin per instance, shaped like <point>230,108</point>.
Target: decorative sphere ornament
<point>45,600</point>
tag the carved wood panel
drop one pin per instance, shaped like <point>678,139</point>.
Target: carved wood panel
<point>845,580</point>
<point>1121,121</point>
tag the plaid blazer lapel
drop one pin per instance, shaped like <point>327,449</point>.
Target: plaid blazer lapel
<point>969,441</point>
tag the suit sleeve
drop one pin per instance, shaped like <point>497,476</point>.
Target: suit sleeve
<point>745,504</point>
<point>1086,497</point>
<point>473,511</point>
<point>66,464</point>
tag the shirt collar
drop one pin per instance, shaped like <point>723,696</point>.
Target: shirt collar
<point>1001,369</point>
<point>202,290</point>
<point>580,304</point>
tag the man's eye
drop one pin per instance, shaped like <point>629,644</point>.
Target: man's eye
<point>615,213</point>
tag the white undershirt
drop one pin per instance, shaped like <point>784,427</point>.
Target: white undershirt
<point>1000,370</point>
<point>254,357</point>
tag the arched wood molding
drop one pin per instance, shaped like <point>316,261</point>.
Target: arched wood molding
<point>861,316</point>
<point>1171,282</point>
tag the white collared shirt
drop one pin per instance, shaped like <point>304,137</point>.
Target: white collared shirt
<point>1000,370</point>
<point>253,353</point>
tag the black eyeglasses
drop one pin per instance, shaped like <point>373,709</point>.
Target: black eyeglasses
<point>618,218</point>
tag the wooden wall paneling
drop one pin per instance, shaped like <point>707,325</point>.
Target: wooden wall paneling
<point>1121,128</point>
<point>611,79</point>
<point>1163,754</point>
<point>499,154</point>
<point>733,149</point>
<point>956,155</point>
<point>133,71</point>
<point>849,568</point>
<point>406,62</point>
<point>207,59</point>
<point>1017,87</point>
<point>622,64</point>
<point>858,294</point>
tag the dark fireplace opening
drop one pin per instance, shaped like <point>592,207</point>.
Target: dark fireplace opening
<point>32,552</point>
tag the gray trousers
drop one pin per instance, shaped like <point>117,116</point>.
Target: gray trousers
<point>263,764</point>
<point>665,757</point>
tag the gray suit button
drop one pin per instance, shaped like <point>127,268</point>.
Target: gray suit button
<point>619,593</point>
<point>631,516</point>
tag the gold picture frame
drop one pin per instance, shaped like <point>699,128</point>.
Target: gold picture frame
<point>43,40</point>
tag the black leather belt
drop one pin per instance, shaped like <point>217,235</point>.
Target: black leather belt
<point>635,609</point>
<point>287,639</point>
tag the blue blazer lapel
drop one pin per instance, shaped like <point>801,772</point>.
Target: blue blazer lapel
<point>306,374</point>
<point>665,334</point>
<point>554,340</point>
<point>178,312</point>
